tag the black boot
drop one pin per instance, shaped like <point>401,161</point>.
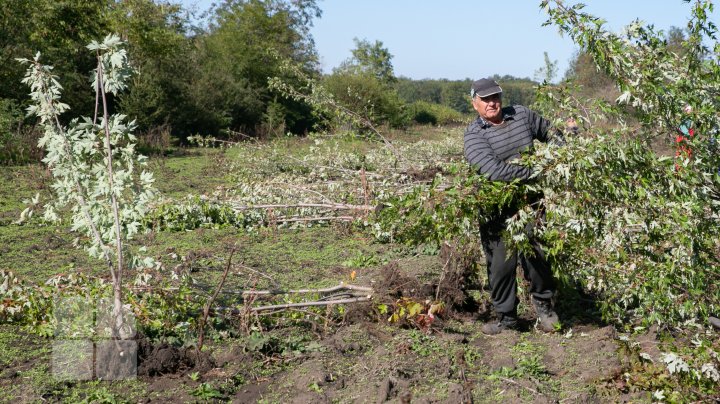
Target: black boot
<point>548,320</point>
<point>505,322</point>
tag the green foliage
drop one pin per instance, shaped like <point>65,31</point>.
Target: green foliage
<point>423,112</point>
<point>206,391</point>
<point>373,59</point>
<point>548,72</point>
<point>235,64</point>
<point>16,139</point>
<point>96,176</point>
<point>659,224</point>
<point>94,164</point>
<point>267,344</point>
<point>361,261</point>
<point>440,211</point>
<point>682,371</point>
<point>197,213</point>
<point>61,30</point>
<point>159,93</point>
<point>357,96</point>
<point>367,96</point>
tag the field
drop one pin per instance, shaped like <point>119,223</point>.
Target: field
<point>339,353</point>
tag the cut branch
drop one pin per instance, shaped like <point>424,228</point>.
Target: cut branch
<point>334,206</point>
<point>206,310</point>
<point>341,286</point>
<point>311,304</point>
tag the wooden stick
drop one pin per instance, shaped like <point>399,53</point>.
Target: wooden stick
<point>315,219</point>
<point>311,304</point>
<point>335,206</point>
<point>341,286</point>
<point>281,307</point>
<point>206,310</point>
<point>511,381</point>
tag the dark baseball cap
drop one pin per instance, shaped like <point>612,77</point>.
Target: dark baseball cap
<point>484,87</point>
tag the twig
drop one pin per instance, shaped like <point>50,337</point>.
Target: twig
<point>280,307</point>
<point>256,272</point>
<point>513,382</point>
<point>206,310</point>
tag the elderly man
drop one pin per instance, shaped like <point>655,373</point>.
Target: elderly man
<point>492,141</point>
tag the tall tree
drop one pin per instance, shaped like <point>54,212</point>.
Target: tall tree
<point>60,29</point>
<point>156,32</point>
<point>364,83</point>
<point>235,63</point>
<point>371,58</point>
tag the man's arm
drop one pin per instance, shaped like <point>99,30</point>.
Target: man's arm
<point>482,158</point>
<point>543,130</point>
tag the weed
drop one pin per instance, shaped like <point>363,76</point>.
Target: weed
<point>529,359</point>
<point>206,391</point>
<point>361,261</point>
<point>423,344</point>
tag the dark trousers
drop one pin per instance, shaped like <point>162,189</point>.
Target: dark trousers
<point>502,264</point>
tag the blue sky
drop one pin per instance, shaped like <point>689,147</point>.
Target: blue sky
<point>458,39</point>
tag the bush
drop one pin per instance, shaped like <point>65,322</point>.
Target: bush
<point>367,96</point>
<point>18,143</point>
<point>423,112</point>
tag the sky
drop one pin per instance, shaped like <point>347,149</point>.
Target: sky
<point>459,39</point>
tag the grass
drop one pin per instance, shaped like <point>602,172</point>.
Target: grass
<point>360,356</point>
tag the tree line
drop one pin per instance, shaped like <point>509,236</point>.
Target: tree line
<point>212,78</point>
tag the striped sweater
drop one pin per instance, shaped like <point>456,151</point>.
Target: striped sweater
<point>489,148</point>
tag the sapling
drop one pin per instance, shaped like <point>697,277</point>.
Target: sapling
<point>94,165</point>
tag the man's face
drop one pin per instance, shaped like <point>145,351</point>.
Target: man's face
<point>489,108</point>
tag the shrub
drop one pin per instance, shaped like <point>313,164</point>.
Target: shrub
<point>17,141</point>
<point>364,94</point>
<point>423,112</point>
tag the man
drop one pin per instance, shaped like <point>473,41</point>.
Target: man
<point>492,141</point>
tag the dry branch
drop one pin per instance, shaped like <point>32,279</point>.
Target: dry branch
<point>281,307</point>
<point>333,206</point>
<point>206,310</point>
<point>341,286</point>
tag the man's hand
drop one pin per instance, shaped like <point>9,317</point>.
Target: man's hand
<point>571,125</point>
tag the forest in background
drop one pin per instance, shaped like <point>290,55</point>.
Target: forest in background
<point>212,80</point>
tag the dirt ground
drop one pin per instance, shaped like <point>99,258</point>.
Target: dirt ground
<point>366,359</point>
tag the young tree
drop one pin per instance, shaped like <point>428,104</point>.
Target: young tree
<point>548,72</point>
<point>95,165</point>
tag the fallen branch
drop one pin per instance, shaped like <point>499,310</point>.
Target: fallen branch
<point>333,206</point>
<point>311,304</point>
<point>315,219</point>
<point>281,307</point>
<point>513,382</point>
<point>206,310</point>
<point>341,286</point>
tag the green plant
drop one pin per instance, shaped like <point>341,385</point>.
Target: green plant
<point>423,344</point>
<point>94,164</point>
<point>361,261</point>
<point>424,112</point>
<point>206,391</point>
